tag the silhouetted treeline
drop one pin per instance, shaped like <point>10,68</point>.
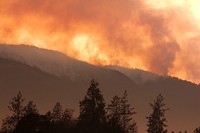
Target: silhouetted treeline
<point>94,116</point>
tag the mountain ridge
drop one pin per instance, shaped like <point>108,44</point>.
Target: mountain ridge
<point>10,51</point>
<point>46,88</point>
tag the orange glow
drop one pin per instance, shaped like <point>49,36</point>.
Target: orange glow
<point>86,48</point>
<point>158,36</point>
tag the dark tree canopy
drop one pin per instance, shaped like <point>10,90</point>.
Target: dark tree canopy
<point>129,124</point>
<point>31,108</point>
<point>17,109</point>
<point>114,115</point>
<point>55,122</point>
<point>67,114</point>
<point>92,110</point>
<point>33,123</point>
<point>156,120</point>
<point>93,117</point>
<point>57,112</point>
<point>120,115</point>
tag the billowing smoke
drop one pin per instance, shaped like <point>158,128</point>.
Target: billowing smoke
<point>161,37</point>
<point>161,54</point>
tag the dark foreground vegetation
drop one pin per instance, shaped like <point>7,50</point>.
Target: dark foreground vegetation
<point>94,117</point>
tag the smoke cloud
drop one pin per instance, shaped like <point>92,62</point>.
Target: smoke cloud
<point>161,37</point>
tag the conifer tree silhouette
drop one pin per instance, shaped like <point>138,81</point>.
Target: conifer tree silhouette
<point>156,120</point>
<point>17,109</point>
<point>120,115</point>
<point>92,110</point>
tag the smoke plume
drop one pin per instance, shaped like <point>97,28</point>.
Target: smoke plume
<point>161,37</point>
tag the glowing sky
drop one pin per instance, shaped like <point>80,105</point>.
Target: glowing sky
<point>159,36</point>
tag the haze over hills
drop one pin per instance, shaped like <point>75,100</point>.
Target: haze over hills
<point>46,77</point>
<point>137,75</point>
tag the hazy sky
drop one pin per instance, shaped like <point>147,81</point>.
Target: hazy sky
<point>159,36</point>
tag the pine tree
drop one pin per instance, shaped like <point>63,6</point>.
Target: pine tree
<point>120,115</point>
<point>57,113</point>
<point>156,120</point>
<point>67,115</point>
<point>54,118</point>
<point>31,108</point>
<point>92,110</point>
<point>127,111</point>
<point>30,121</point>
<point>17,109</point>
<point>114,115</point>
<point>67,119</point>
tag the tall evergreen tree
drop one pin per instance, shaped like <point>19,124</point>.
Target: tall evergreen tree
<point>57,113</point>
<point>67,115</point>
<point>92,110</point>
<point>156,120</point>
<point>68,122</point>
<point>30,108</point>
<point>114,115</point>
<point>129,125</point>
<point>120,115</point>
<point>30,122</point>
<point>17,109</point>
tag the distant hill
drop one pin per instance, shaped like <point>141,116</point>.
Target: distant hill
<point>137,75</point>
<point>47,77</point>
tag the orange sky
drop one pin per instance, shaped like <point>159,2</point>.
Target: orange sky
<point>159,36</point>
